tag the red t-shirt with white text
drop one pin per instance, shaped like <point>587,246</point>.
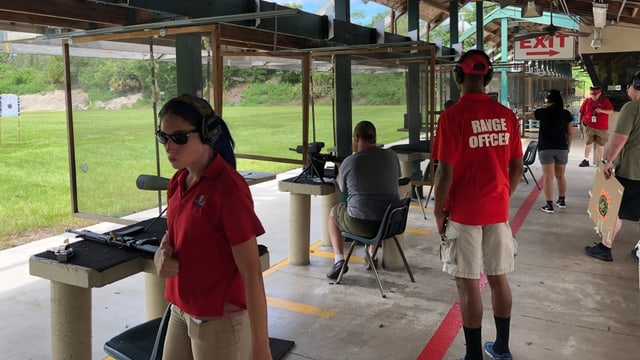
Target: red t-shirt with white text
<point>479,137</point>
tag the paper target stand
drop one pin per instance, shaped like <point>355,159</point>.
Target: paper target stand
<point>9,107</point>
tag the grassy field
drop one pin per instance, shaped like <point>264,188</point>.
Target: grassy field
<point>114,147</point>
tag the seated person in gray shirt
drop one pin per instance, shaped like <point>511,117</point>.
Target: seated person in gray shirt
<point>370,178</point>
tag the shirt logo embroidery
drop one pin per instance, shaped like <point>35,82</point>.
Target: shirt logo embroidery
<point>200,200</point>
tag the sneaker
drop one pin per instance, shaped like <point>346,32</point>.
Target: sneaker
<point>634,253</point>
<point>548,209</point>
<point>488,349</point>
<point>335,270</point>
<point>561,204</point>
<point>584,163</point>
<point>599,251</point>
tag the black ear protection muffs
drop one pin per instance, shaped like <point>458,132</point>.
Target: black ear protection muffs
<point>635,82</point>
<point>458,73</point>
<point>210,129</point>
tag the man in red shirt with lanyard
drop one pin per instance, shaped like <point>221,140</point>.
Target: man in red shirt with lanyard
<point>594,118</point>
<point>480,165</point>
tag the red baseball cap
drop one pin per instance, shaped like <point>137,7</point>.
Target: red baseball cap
<point>594,90</point>
<point>475,63</point>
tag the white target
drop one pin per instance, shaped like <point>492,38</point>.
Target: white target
<point>9,105</point>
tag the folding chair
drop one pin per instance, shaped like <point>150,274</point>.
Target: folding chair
<point>393,223</point>
<point>528,159</point>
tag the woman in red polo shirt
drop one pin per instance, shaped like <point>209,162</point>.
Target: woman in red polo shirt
<point>209,255</point>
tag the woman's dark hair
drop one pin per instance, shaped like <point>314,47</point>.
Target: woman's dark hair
<point>553,97</point>
<point>199,114</point>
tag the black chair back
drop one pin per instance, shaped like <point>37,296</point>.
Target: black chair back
<point>395,218</point>
<point>529,156</point>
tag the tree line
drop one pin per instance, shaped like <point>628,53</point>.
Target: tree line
<point>105,79</point>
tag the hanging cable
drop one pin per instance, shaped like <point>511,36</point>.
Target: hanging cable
<point>333,99</point>
<point>156,97</point>
<point>313,107</point>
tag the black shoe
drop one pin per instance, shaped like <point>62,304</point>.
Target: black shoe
<point>335,270</point>
<point>584,163</point>
<point>561,204</point>
<point>599,251</point>
<point>548,209</point>
<point>634,253</point>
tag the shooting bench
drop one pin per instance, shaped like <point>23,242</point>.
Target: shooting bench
<point>95,265</point>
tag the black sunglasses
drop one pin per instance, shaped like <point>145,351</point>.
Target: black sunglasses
<point>179,138</point>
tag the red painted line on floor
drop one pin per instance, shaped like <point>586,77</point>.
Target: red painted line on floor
<point>521,214</point>
<point>444,335</point>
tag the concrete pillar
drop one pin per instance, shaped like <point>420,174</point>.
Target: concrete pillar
<point>327,202</point>
<point>299,225</point>
<point>391,259</point>
<point>154,296</point>
<point>70,322</point>
<point>406,168</point>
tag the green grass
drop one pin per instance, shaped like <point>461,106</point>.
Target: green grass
<point>114,147</point>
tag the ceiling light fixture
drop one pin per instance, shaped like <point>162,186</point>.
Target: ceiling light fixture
<point>531,10</point>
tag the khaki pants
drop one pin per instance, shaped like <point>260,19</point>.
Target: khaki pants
<point>225,338</point>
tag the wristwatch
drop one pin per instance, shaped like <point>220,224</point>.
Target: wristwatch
<point>605,161</point>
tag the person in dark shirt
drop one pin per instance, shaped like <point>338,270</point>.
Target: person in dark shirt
<point>554,142</point>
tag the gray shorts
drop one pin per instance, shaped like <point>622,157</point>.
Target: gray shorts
<point>467,250</point>
<point>553,156</point>
<point>366,228</point>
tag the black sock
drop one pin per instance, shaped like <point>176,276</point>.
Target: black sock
<point>473,338</point>
<point>501,344</point>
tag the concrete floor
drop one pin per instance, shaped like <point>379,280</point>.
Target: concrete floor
<point>566,305</point>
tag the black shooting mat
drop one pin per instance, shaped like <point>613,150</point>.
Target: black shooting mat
<point>93,255</point>
<point>97,256</point>
<point>279,347</point>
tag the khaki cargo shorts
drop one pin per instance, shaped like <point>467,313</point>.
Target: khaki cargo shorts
<point>468,250</point>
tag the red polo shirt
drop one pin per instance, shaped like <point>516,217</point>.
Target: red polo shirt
<point>204,223</point>
<point>587,110</point>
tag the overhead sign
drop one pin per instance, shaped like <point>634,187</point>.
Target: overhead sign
<point>558,47</point>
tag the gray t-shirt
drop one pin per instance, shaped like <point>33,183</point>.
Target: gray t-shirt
<point>627,163</point>
<point>370,177</point>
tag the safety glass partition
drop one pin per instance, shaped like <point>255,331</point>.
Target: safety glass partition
<point>378,94</point>
<point>110,146</point>
<point>380,78</point>
<point>111,132</point>
<point>268,121</point>
<point>110,149</point>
